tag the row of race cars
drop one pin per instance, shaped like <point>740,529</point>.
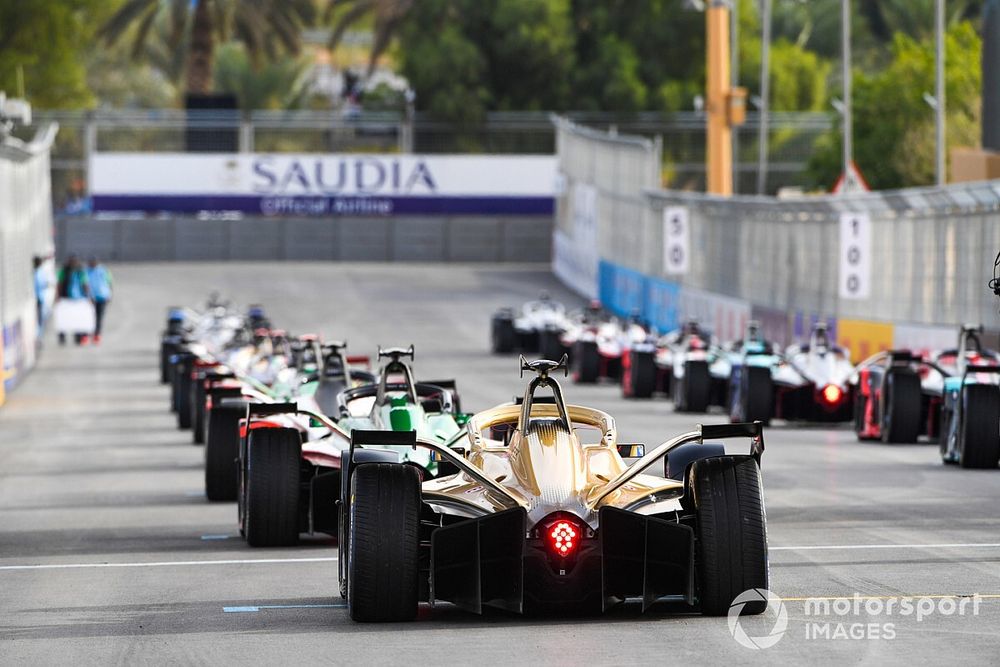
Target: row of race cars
<point>952,395</point>
<point>531,505</point>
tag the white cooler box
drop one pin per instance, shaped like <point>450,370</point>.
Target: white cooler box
<point>73,316</point>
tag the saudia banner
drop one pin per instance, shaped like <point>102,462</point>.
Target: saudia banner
<point>298,185</point>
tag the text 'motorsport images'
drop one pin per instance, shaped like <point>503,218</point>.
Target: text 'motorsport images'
<point>384,332</point>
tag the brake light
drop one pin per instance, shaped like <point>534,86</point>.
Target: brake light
<point>832,394</point>
<point>562,538</point>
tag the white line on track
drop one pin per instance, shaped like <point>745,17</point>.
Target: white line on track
<point>169,563</point>
<point>856,547</point>
<point>328,559</point>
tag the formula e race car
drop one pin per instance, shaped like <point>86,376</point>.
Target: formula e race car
<point>970,409</point>
<point>897,397</point>
<point>290,454</point>
<point>810,382</point>
<point>688,359</point>
<point>605,352</point>
<point>550,518</point>
<point>752,363</point>
<point>537,327</point>
<point>319,373</point>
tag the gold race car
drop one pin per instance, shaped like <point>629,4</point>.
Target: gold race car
<point>541,512</point>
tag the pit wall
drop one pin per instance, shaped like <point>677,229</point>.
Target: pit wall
<point>918,271</point>
<point>25,232</point>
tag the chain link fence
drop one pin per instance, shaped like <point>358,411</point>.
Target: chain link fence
<point>927,256</point>
<point>172,130</point>
<point>26,232</point>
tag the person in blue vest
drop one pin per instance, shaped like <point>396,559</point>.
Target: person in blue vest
<point>100,281</point>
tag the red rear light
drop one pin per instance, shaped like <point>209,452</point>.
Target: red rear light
<point>563,538</point>
<point>832,394</point>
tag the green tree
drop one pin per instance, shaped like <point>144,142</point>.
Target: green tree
<point>386,17</point>
<point>893,125</point>
<point>265,27</point>
<point>43,45</point>
<point>279,84</point>
<point>464,57</point>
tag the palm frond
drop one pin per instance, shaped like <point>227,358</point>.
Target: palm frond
<point>349,18</point>
<point>120,21</point>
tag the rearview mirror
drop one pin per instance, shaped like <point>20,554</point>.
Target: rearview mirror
<point>633,451</point>
<point>438,458</point>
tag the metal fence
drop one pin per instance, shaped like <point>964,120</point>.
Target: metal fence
<point>931,249</point>
<point>25,232</point>
<point>792,138</point>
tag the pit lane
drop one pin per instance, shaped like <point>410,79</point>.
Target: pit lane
<point>103,549</point>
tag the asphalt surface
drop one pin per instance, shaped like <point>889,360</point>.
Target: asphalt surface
<point>109,552</point>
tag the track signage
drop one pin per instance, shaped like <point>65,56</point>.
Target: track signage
<point>855,255</point>
<point>676,240</point>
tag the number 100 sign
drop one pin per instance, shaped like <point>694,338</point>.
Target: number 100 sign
<point>855,256</point>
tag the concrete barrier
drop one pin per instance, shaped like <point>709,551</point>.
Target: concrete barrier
<point>408,239</point>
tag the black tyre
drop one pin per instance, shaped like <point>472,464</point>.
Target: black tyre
<point>731,555</point>
<point>222,449</point>
<point>549,345</point>
<point>901,407</point>
<point>166,349</point>
<point>383,547</point>
<point>639,380</point>
<point>588,362</point>
<point>757,396</point>
<point>979,427</point>
<point>184,382</point>
<point>503,338</point>
<point>271,504</point>
<point>944,433</point>
<point>198,396</point>
<point>696,387</point>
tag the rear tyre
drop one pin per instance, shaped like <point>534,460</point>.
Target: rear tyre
<point>757,397</point>
<point>504,338</point>
<point>588,362</point>
<point>272,487</point>
<point>549,345</point>
<point>183,377</point>
<point>639,379</point>
<point>731,555</point>
<point>384,548</point>
<point>696,387</point>
<point>901,408</point>
<point>166,349</point>
<point>979,428</point>
<point>222,450</point>
<point>198,411</point>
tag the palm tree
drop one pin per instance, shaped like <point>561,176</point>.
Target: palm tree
<point>266,27</point>
<point>388,15</point>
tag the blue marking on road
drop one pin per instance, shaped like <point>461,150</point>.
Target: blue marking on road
<point>195,494</point>
<point>241,610</point>
<point>215,537</point>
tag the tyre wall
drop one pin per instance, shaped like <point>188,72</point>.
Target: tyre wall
<point>891,269</point>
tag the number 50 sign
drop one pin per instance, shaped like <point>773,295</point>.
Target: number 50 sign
<point>676,240</point>
<point>855,256</point>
